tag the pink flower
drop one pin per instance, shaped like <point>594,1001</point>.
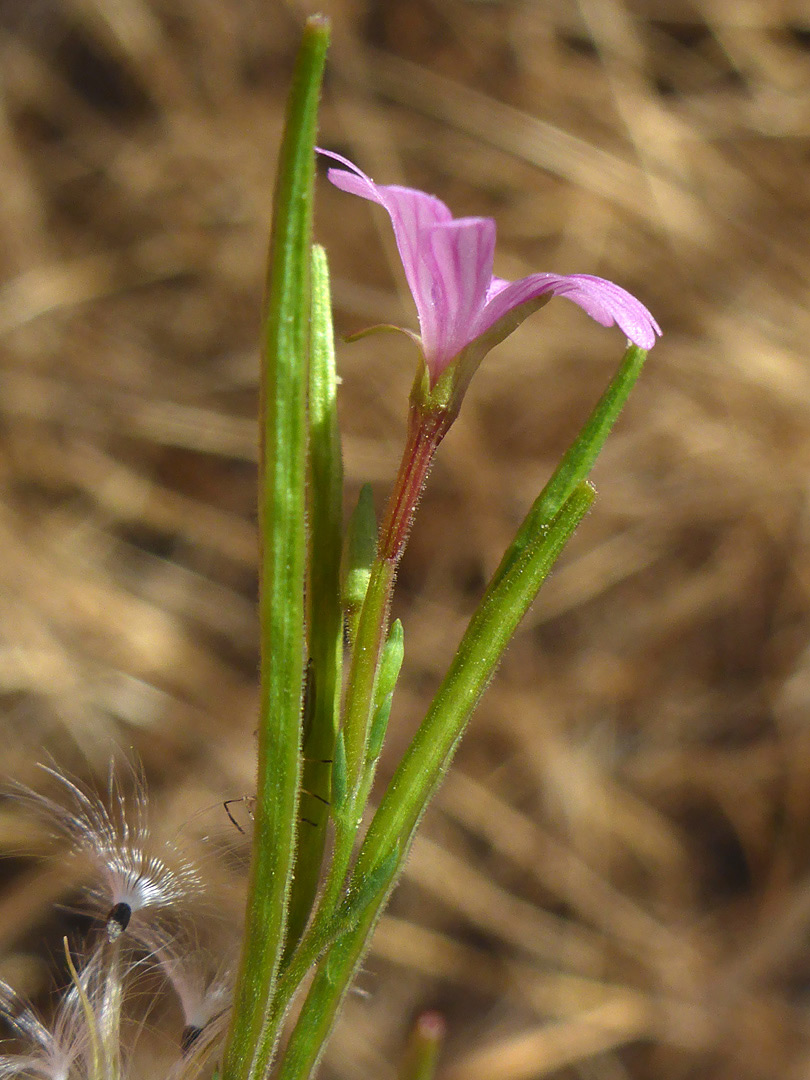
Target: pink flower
<point>448,264</point>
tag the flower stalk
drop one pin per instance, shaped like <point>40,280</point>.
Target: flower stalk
<point>419,774</point>
<point>425,432</point>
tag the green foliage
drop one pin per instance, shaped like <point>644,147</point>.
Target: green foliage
<point>358,558</point>
<point>282,506</point>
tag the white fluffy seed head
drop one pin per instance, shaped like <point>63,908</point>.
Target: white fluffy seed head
<point>134,873</point>
<point>201,982</point>
<point>64,1050</point>
<point>146,890</point>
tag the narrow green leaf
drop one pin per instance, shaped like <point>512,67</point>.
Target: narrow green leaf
<point>358,708</point>
<point>379,726</point>
<point>390,663</point>
<point>423,766</point>
<point>319,937</point>
<point>308,709</point>
<point>486,638</point>
<point>358,557</point>
<point>339,783</point>
<point>282,565</point>
<point>323,591</point>
<point>361,894</point>
<point>354,904</point>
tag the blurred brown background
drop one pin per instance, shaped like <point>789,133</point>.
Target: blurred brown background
<point>615,880</point>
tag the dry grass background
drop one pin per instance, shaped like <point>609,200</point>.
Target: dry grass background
<point>615,882</point>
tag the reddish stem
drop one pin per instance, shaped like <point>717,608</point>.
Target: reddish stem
<point>425,431</point>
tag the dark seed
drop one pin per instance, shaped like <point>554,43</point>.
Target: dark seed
<point>118,920</point>
<point>190,1035</point>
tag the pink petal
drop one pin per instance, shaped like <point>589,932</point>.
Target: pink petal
<point>605,302</point>
<point>355,185</point>
<point>448,263</point>
<point>409,208</point>
<point>450,282</point>
<point>411,212</point>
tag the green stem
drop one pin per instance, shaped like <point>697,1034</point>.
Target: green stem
<point>282,527</point>
<point>425,433</point>
<point>421,770</point>
<point>537,544</point>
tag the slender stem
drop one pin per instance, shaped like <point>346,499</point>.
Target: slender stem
<point>425,432</point>
<point>547,527</point>
<point>422,769</point>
